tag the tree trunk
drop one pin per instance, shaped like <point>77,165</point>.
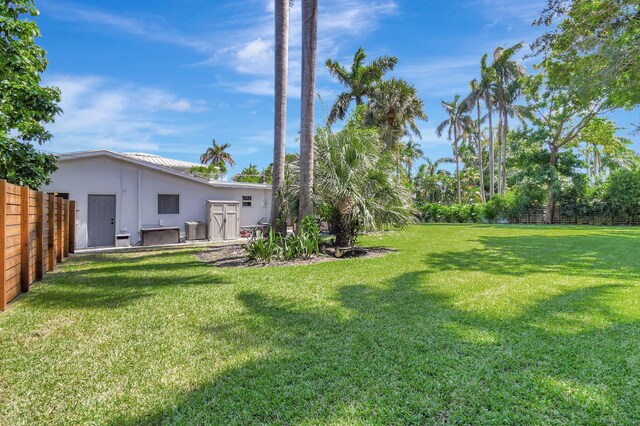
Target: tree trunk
<point>492,166</point>
<point>499,152</point>
<point>278,212</point>
<point>309,48</point>
<point>480,159</point>
<point>457,158</point>
<point>505,134</point>
<point>551,195</point>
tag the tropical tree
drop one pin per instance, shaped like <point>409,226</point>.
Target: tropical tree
<point>455,124</point>
<point>25,106</point>
<point>218,156</point>
<point>356,183</point>
<point>308,88</point>
<point>359,81</point>
<point>433,184</point>
<point>278,214</point>
<point>394,107</point>
<point>594,49</point>
<point>505,92</point>
<point>481,91</point>
<point>249,174</point>
<point>410,152</point>
<point>559,114</point>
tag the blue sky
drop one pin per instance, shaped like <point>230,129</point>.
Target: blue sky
<point>167,76</point>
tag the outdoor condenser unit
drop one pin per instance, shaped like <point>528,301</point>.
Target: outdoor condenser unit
<point>195,230</point>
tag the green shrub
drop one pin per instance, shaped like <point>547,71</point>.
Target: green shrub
<point>622,194</point>
<point>275,246</point>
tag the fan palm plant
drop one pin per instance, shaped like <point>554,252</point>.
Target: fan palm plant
<point>394,108</point>
<point>455,125</point>
<point>356,183</point>
<point>217,156</point>
<point>359,80</point>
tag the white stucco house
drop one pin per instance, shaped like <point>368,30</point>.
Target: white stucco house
<point>121,198</point>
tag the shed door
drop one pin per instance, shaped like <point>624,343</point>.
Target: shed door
<point>231,222</point>
<point>102,220</point>
<point>216,222</point>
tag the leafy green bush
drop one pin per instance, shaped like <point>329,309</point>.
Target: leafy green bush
<point>621,196</point>
<point>275,246</point>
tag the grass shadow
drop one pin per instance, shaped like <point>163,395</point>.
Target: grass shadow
<point>404,353</point>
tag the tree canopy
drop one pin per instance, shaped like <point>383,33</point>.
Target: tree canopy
<point>25,105</point>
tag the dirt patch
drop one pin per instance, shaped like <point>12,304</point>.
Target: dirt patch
<point>232,256</point>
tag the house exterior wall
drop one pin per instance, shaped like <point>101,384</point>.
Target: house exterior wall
<point>136,189</point>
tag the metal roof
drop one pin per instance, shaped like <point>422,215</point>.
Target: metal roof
<point>68,156</point>
<point>161,161</point>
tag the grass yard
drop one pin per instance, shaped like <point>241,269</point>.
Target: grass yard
<point>464,324</point>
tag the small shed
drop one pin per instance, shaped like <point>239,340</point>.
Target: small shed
<point>224,220</point>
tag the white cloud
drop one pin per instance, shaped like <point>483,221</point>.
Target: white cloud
<point>99,113</point>
<point>255,57</point>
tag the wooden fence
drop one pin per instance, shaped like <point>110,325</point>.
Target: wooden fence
<point>535,215</point>
<point>37,231</point>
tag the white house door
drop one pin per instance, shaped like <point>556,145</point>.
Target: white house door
<point>224,221</point>
<point>102,220</point>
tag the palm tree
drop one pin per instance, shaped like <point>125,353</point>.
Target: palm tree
<point>506,91</point>
<point>394,107</point>
<point>481,90</point>
<point>359,81</point>
<point>411,151</point>
<point>456,123</point>
<point>431,182</point>
<point>309,49</point>
<point>278,215</point>
<point>217,155</point>
<point>357,183</point>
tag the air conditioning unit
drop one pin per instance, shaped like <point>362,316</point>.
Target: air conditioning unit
<point>195,230</point>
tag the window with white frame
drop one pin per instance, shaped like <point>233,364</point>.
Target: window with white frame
<point>246,201</point>
<point>168,204</point>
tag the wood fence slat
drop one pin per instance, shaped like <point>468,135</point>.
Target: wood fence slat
<point>65,246</point>
<point>59,236</point>
<point>39,234</point>
<point>3,243</point>
<point>51,255</point>
<point>24,241</point>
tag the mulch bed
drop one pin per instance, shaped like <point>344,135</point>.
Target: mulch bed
<point>232,256</point>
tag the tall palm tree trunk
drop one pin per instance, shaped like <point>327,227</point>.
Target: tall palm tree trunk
<point>278,211</point>
<point>457,158</point>
<point>499,132</point>
<point>492,164</point>
<point>309,48</point>
<point>505,133</point>
<point>480,159</point>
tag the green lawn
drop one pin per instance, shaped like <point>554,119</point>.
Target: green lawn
<point>464,324</point>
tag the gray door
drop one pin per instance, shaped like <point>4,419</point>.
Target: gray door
<point>216,222</point>
<point>102,220</point>
<point>231,222</point>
